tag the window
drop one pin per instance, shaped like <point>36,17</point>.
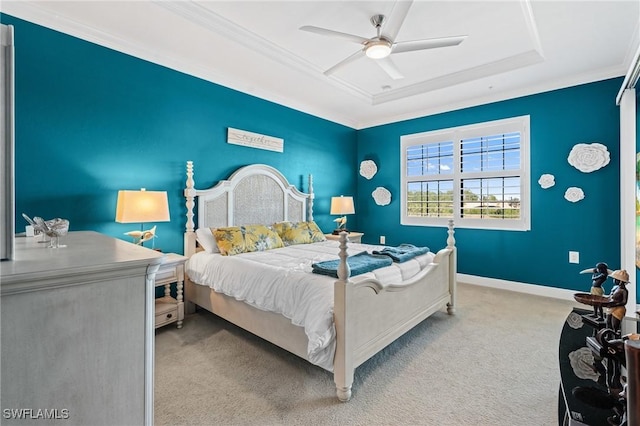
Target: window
<point>477,175</point>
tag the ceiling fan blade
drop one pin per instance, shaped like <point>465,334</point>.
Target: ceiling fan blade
<point>391,28</point>
<point>390,68</point>
<point>332,33</point>
<point>431,43</point>
<point>344,62</point>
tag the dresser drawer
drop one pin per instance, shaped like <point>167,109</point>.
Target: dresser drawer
<point>166,313</point>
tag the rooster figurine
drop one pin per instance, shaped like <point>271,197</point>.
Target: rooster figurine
<point>342,225</point>
<point>139,237</point>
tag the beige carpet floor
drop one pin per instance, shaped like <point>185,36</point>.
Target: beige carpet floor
<point>493,363</point>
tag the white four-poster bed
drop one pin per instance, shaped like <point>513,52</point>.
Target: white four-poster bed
<point>367,314</point>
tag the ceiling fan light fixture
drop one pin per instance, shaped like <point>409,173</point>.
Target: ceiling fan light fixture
<point>378,49</point>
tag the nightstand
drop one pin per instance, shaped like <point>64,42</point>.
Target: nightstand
<point>353,237</point>
<point>168,309</point>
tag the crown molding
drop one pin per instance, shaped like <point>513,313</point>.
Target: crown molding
<point>39,14</point>
<point>470,74</point>
<point>497,96</point>
<point>520,60</point>
<point>211,21</point>
<point>633,47</point>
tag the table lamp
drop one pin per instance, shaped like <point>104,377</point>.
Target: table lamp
<point>341,206</point>
<point>142,207</point>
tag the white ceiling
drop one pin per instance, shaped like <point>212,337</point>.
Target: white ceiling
<point>513,48</point>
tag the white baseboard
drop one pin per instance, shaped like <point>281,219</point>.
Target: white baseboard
<point>537,290</point>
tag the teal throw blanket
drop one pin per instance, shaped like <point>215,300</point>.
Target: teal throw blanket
<point>359,264</point>
<point>403,252</point>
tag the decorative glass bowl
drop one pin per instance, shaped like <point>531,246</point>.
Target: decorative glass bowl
<point>54,228</point>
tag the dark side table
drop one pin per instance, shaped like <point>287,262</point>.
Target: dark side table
<point>577,371</point>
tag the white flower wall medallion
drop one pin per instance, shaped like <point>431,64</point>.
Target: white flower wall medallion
<point>574,194</point>
<point>547,181</point>
<point>589,157</point>
<point>382,196</point>
<point>368,169</point>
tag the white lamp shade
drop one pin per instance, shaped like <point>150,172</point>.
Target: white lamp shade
<point>142,206</point>
<point>342,205</point>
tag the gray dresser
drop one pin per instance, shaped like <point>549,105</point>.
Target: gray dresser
<point>77,332</point>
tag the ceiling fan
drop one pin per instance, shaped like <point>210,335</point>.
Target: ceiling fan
<point>383,44</point>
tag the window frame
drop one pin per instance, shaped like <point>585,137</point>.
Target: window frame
<point>520,124</point>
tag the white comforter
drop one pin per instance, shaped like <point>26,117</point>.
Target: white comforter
<point>281,281</point>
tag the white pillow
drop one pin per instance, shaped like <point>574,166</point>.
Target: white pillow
<point>206,240</point>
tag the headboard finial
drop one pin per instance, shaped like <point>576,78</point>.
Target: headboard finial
<point>451,241</point>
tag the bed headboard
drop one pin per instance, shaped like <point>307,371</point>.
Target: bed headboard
<point>255,194</point>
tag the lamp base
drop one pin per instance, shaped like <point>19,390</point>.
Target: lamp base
<point>338,231</point>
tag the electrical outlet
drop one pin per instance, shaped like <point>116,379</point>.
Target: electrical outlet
<point>574,257</point>
<point>382,239</point>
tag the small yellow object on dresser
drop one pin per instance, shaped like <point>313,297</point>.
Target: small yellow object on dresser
<point>352,237</point>
<point>169,309</point>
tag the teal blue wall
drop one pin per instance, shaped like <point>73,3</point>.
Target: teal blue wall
<point>559,120</point>
<point>91,121</point>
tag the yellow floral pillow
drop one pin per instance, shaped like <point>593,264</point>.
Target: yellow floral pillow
<point>230,240</point>
<point>289,235</point>
<point>261,238</point>
<point>299,232</point>
<point>243,239</point>
<point>316,233</point>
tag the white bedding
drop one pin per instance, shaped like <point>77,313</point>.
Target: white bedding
<point>281,281</point>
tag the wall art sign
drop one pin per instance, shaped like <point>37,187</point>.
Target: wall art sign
<point>254,140</point>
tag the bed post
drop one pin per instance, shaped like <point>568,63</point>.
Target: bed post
<point>310,200</point>
<point>189,235</point>
<point>343,368</point>
<point>189,195</point>
<point>453,279</point>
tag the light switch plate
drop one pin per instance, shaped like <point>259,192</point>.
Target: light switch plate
<point>574,257</point>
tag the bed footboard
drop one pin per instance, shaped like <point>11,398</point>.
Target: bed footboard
<point>369,316</point>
